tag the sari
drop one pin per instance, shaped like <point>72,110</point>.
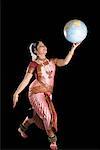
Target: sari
<point>40,95</point>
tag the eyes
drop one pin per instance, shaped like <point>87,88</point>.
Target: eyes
<point>41,46</point>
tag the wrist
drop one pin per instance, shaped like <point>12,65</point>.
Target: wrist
<point>73,48</point>
<point>72,51</point>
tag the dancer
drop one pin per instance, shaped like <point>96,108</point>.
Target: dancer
<point>40,91</point>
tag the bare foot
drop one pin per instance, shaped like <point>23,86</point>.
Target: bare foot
<point>53,146</point>
<point>23,134</point>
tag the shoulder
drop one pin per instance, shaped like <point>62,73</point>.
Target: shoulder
<point>54,60</point>
<point>31,67</point>
<point>33,64</point>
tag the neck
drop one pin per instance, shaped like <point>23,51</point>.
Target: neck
<point>42,57</point>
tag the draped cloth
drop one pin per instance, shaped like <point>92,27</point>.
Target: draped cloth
<point>40,95</point>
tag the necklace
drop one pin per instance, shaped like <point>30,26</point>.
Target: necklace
<point>42,59</point>
<point>47,69</point>
<point>45,63</point>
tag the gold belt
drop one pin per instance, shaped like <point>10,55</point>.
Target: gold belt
<point>41,89</point>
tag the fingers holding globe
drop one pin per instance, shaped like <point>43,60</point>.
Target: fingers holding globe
<point>75,31</point>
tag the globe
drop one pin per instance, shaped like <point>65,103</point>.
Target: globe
<point>75,31</point>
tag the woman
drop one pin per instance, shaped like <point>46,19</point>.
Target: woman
<point>40,91</point>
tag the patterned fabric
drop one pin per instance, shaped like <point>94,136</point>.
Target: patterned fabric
<point>38,122</point>
<point>40,95</point>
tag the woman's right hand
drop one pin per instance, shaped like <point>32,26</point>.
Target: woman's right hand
<point>15,99</point>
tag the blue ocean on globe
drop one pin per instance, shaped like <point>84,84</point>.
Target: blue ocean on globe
<point>75,31</point>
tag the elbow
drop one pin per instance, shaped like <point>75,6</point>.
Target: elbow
<point>65,62</point>
<point>62,62</point>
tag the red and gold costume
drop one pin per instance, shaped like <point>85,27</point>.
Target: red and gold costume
<point>40,94</point>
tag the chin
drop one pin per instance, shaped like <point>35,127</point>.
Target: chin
<point>45,53</point>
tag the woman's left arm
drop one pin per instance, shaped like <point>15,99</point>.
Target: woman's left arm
<point>63,62</point>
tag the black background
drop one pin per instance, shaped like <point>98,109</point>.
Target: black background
<point>75,90</point>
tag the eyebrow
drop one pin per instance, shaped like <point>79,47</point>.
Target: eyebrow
<point>41,46</point>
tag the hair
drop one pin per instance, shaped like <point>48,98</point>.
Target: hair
<point>33,48</point>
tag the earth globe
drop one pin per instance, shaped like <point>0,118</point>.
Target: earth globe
<point>75,31</point>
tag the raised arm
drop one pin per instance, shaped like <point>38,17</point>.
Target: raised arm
<point>23,84</point>
<point>66,60</point>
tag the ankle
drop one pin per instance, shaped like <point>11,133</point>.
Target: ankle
<point>52,139</point>
<point>23,128</point>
